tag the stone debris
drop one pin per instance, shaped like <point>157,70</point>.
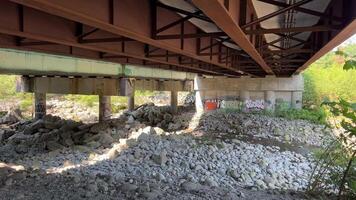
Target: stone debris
<point>132,158</point>
<point>260,126</point>
<point>72,110</point>
<point>12,116</point>
<point>159,116</point>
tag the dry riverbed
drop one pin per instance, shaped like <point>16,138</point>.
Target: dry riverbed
<point>152,154</point>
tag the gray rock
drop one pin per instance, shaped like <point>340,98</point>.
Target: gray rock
<point>96,128</point>
<point>160,159</point>
<point>151,195</point>
<point>130,119</point>
<point>33,127</point>
<point>191,187</point>
<point>53,145</point>
<point>106,140</point>
<point>160,177</point>
<point>210,182</point>
<point>128,187</point>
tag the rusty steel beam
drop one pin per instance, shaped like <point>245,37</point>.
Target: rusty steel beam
<point>285,51</point>
<point>278,12</point>
<point>195,15</point>
<point>190,35</point>
<point>80,13</point>
<point>104,40</point>
<point>56,40</point>
<point>301,9</point>
<point>170,25</point>
<point>216,11</point>
<point>321,28</point>
<point>347,32</point>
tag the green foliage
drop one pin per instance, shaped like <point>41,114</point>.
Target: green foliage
<point>350,62</point>
<point>26,102</point>
<point>326,78</point>
<point>347,112</point>
<point>336,167</point>
<point>318,115</point>
<point>330,170</point>
<point>7,86</point>
<point>87,100</point>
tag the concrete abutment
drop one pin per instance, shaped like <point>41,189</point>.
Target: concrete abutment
<point>268,91</point>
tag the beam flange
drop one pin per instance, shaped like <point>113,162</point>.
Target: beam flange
<point>216,11</point>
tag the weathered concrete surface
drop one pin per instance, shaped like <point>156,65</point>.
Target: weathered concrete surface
<point>98,86</point>
<point>40,105</point>
<point>268,89</point>
<point>174,101</point>
<point>104,108</point>
<point>131,103</point>
<point>32,63</point>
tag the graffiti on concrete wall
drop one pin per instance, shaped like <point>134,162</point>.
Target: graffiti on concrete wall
<point>255,104</point>
<point>247,105</point>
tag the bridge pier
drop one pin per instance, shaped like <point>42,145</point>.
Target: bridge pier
<point>104,107</point>
<point>131,102</point>
<point>40,105</point>
<point>297,99</point>
<point>244,95</point>
<point>270,100</point>
<point>174,102</point>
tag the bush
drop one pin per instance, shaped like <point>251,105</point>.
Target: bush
<point>318,116</point>
<point>326,79</point>
<point>87,100</point>
<point>7,86</point>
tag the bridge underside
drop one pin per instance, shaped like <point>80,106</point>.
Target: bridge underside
<point>217,37</point>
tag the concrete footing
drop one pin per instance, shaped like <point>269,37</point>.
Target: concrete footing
<point>40,105</point>
<point>104,107</point>
<point>174,102</point>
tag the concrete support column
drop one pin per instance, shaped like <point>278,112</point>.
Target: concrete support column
<point>104,107</point>
<point>244,95</point>
<point>131,103</point>
<point>199,104</point>
<point>40,105</point>
<point>174,102</point>
<point>297,99</point>
<point>270,100</point>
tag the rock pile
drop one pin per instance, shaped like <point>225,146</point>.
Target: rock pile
<point>71,110</point>
<point>52,133</point>
<point>260,126</point>
<point>12,116</point>
<point>159,116</point>
<point>155,164</point>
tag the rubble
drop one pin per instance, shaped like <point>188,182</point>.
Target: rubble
<point>137,157</point>
<point>260,126</point>
<point>12,116</point>
<point>159,116</point>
